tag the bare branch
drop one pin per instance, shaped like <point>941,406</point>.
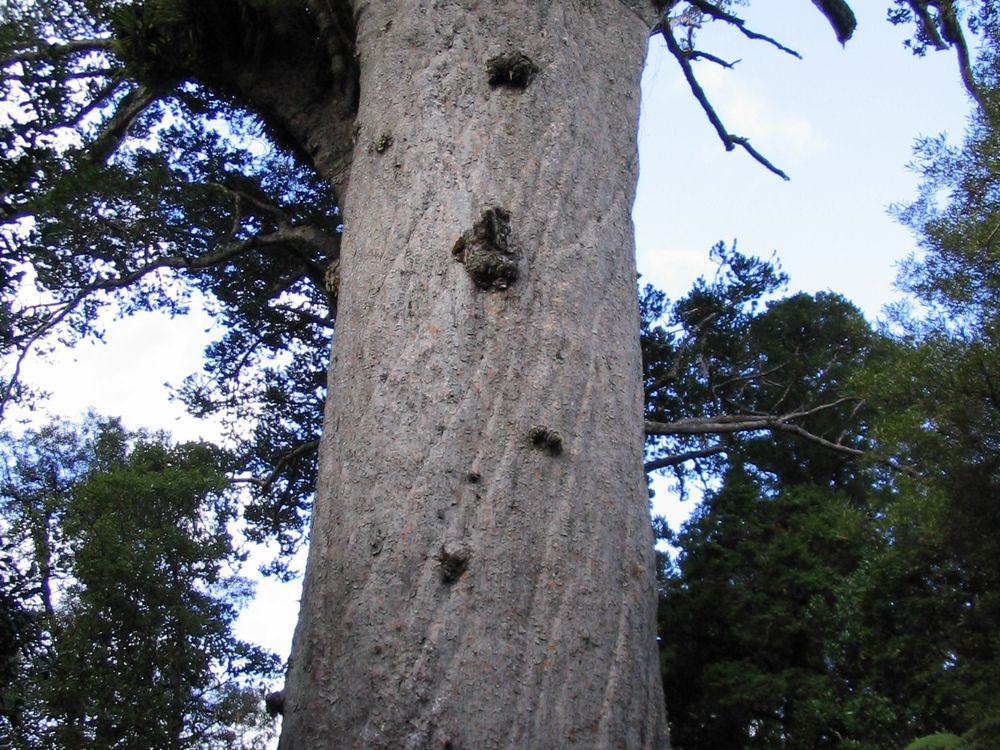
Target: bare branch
<point>816,439</point>
<point>719,14</point>
<point>727,424</point>
<point>264,205</point>
<point>728,140</point>
<point>50,51</point>
<point>850,418</point>
<point>745,144</point>
<point>751,377</point>
<point>679,458</point>
<point>699,55</point>
<point>98,101</point>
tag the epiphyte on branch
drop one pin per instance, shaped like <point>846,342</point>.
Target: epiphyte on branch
<point>275,703</point>
<point>486,251</point>
<point>331,277</point>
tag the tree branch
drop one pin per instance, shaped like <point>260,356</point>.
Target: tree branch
<point>103,284</point>
<point>699,55</point>
<point>263,204</point>
<point>728,140</point>
<point>679,458</point>
<point>946,31</point>
<point>62,49</point>
<point>291,455</point>
<point>114,132</point>
<point>720,15</point>
<point>840,16</point>
<point>727,424</point>
<point>98,101</point>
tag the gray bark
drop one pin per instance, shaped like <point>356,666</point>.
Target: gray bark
<point>480,572</point>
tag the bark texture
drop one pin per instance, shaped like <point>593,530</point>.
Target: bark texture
<point>480,572</point>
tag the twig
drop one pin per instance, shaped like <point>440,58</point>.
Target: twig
<point>721,15</point>
<point>728,140</point>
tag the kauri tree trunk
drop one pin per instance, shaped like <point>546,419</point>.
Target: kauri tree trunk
<point>481,567</point>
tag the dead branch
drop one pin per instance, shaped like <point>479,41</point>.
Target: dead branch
<point>728,139</point>
<point>840,16</point>
<point>61,49</point>
<point>720,15</point>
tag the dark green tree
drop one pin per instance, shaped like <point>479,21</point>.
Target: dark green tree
<point>729,374</point>
<point>749,616</point>
<point>774,428</point>
<point>130,550</point>
<point>940,393</point>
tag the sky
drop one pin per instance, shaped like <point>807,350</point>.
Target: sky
<point>841,123</point>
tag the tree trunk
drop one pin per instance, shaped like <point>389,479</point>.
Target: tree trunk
<point>480,572</point>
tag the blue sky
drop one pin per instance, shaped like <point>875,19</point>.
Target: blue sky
<point>841,122</point>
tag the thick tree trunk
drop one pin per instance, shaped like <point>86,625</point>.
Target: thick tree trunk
<point>480,572</point>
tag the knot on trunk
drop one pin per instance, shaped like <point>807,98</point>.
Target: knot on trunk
<point>512,69</point>
<point>453,558</point>
<point>546,439</point>
<point>486,251</point>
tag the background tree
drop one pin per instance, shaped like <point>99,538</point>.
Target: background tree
<point>942,417</point>
<point>728,373</point>
<point>749,616</point>
<point>130,550</point>
<point>899,630</point>
<point>749,610</point>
